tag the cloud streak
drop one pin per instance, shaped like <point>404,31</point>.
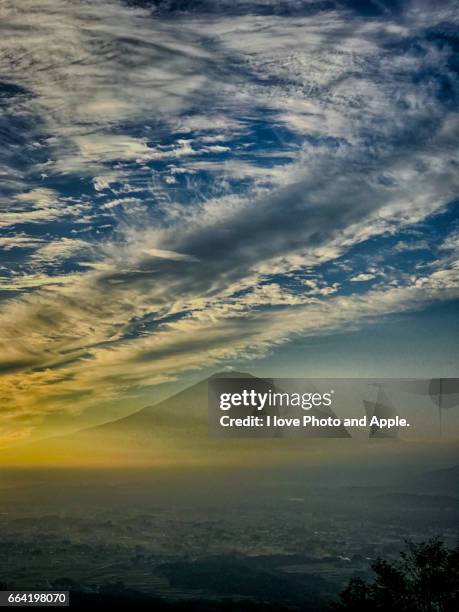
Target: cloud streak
<point>195,189</point>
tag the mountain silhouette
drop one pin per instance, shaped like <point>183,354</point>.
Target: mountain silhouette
<point>187,412</point>
<point>173,431</point>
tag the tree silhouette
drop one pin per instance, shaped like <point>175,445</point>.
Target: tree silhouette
<point>425,579</point>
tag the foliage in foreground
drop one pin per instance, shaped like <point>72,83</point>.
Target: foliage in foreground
<point>425,579</point>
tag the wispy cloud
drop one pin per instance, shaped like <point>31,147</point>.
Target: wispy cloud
<point>183,183</point>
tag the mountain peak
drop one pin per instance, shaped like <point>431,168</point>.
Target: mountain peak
<point>231,374</point>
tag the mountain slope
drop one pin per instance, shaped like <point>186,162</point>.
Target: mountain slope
<point>174,432</point>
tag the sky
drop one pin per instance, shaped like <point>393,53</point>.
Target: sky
<point>190,186</point>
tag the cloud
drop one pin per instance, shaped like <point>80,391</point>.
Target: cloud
<point>59,250</point>
<point>451,243</point>
<point>362,277</point>
<point>33,281</point>
<point>19,241</point>
<point>170,255</point>
<point>204,337</point>
<point>35,206</point>
<point>91,67</point>
<point>186,182</point>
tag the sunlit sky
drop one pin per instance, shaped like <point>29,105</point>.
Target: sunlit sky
<point>189,186</point>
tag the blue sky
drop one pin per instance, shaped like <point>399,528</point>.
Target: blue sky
<point>191,186</point>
